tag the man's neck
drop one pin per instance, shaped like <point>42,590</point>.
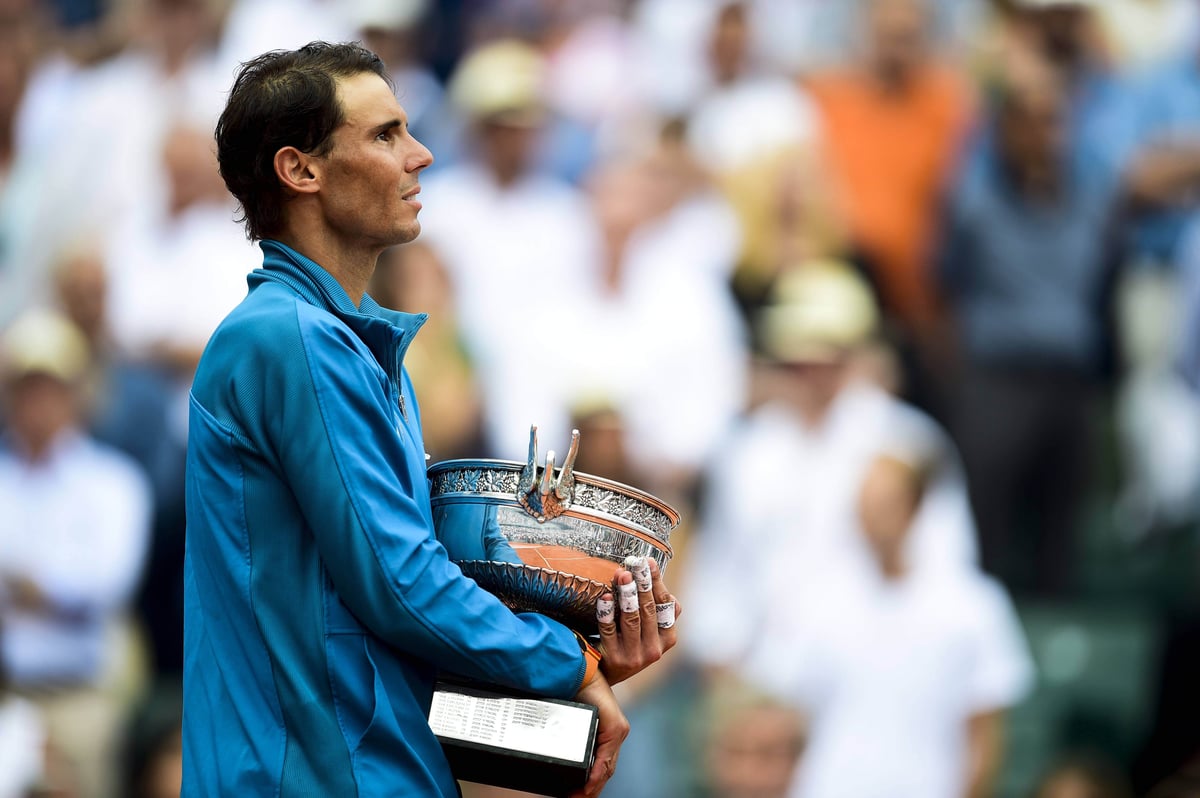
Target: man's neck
<point>36,450</point>
<point>1038,183</point>
<point>892,81</point>
<point>891,567</point>
<point>352,269</point>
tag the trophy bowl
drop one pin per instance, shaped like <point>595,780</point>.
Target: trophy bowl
<point>545,540</point>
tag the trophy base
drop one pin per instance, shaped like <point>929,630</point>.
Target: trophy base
<point>566,597</point>
<point>503,738</point>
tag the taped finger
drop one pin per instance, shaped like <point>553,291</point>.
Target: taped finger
<point>665,614</point>
<point>640,568</point>
<point>605,610</point>
<point>627,597</point>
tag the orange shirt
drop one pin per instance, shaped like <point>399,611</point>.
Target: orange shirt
<point>891,155</point>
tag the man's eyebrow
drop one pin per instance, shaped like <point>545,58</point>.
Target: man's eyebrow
<point>388,125</point>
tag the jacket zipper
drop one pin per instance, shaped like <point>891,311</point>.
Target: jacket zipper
<point>396,381</point>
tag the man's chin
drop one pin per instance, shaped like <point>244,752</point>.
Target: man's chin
<point>408,233</point>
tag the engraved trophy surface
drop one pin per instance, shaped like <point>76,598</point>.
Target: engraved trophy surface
<point>562,534</point>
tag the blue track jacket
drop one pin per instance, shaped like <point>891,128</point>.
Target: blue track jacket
<point>318,603</point>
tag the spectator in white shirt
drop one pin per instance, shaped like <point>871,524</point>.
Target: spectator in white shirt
<point>521,248</point>
<point>670,244</point>
<point>782,489</point>
<point>72,540</point>
<point>905,671</point>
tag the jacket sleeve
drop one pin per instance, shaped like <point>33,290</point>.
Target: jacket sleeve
<point>345,460</point>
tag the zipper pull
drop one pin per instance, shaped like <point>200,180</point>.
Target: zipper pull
<point>403,411</point>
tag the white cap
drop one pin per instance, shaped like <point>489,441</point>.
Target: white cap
<point>44,342</point>
<point>384,14</point>
<point>502,80</point>
<point>1039,4</point>
<point>818,311</point>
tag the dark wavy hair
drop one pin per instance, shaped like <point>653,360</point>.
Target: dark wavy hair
<point>282,98</point>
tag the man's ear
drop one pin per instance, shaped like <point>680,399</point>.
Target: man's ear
<point>297,171</point>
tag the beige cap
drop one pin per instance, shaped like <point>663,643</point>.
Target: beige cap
<point>44,342</point>
<point>383,14</point>
<point>1036,4</point>
<point>501,81</point>
<point>818,311</point>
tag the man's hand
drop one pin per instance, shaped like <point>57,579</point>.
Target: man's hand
<point>614,728</point>
<point>645,629</point>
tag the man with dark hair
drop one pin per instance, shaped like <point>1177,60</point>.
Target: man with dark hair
<point>1026,267</point>
<point>319,603</point>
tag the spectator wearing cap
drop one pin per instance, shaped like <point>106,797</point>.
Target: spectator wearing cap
<point>782,490</point>
<point>72,539</point>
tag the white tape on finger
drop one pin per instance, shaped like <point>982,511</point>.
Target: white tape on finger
<point>627,597</point>
<point>640,568</point>
<point>605,610</point>
<point>665,614</point>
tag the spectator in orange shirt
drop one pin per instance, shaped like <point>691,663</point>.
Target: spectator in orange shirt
<point>893,120</point>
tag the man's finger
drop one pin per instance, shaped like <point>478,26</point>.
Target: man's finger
<point>606,621</point>
<point>659,588</point>
<point>642,578</point>
<point>612,731</point>
<point>602,770</point>
<point>666,609</point>
<point>640,568</point>
<point>627,602</point>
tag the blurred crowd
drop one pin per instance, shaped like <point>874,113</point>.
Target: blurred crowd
<point>898,301</point>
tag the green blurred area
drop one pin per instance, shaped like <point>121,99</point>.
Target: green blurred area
<point>1099,652</point>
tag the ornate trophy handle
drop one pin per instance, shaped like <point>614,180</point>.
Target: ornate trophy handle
<point>548,497</point>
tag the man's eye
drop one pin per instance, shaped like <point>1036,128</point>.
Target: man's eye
<point>385,136</point>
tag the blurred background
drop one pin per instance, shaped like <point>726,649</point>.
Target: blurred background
<point>897,300</point>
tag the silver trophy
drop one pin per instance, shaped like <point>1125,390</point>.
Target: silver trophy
<point>543,540</point>
<point>551,538</point>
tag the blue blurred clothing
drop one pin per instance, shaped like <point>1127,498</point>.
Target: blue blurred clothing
<point>1167,112</point>
<point>1187,342</point>
<point>1102,123</point>
<point>319,605</point>
<point>133,413</point>
<point>1027,277</point>
<point>136,410</point>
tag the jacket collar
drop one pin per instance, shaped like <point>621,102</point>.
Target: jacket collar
<point>387,333</point>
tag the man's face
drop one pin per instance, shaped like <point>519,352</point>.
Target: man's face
<point>896,33</point>
<point>888,503</point>
<point>507,148</point>
<point>1032,127</point>
<point>370,181</point>
<point>40,407</point>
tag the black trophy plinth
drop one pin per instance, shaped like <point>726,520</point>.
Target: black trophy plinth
<point>509,739</point>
